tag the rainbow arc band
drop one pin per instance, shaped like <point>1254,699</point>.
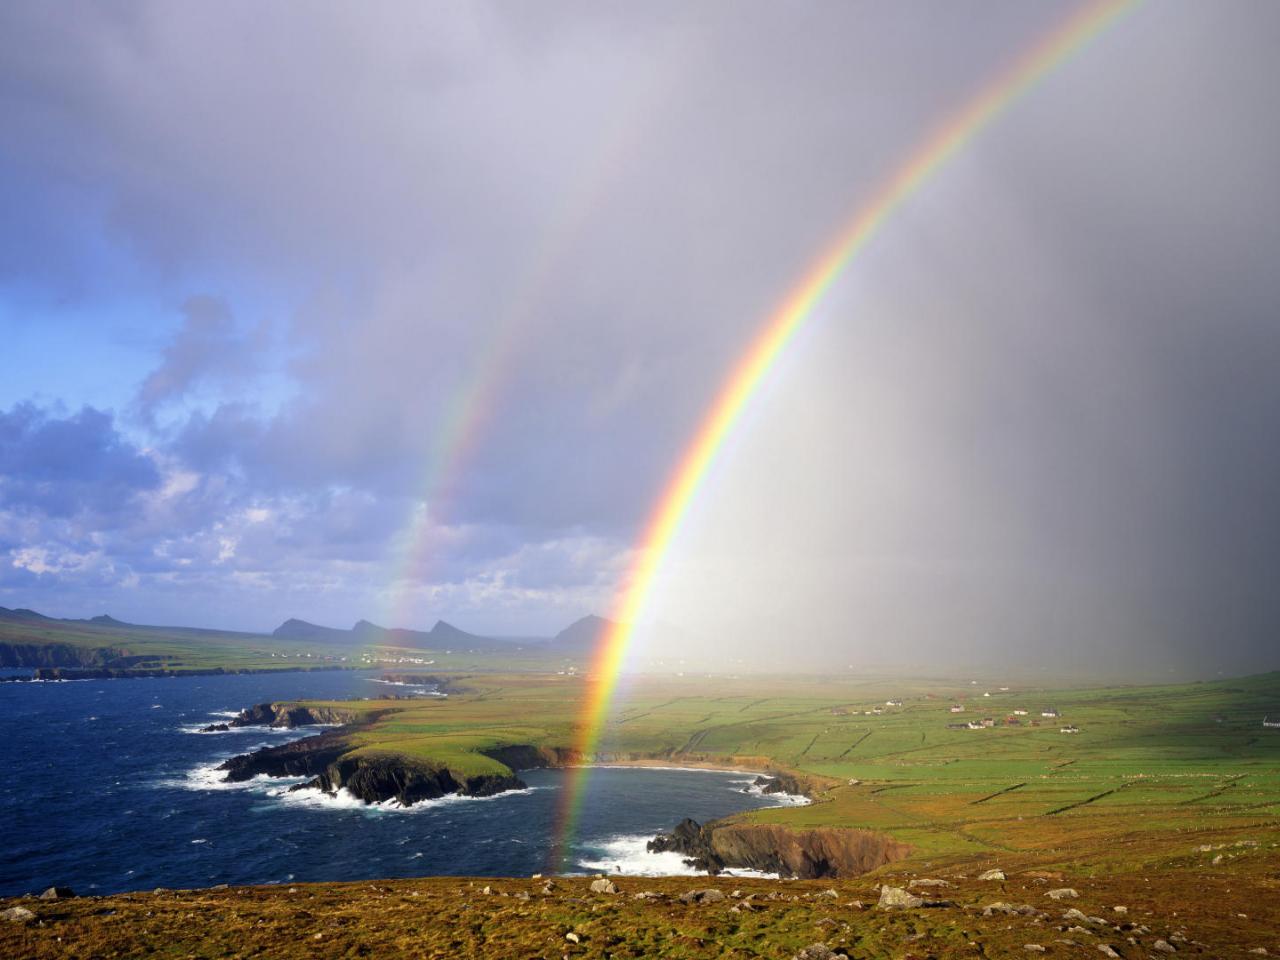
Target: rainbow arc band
<point>1009,86</point>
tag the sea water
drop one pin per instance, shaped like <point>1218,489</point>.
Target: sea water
<point>109,785</point>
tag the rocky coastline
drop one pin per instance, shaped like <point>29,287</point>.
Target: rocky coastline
<point>823,852</point>
<point>332,762</point>
<point>55,674</point>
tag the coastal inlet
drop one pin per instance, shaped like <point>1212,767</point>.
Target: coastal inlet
<point>137,800</point>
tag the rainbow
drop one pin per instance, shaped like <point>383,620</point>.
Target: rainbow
<point>769,344</point>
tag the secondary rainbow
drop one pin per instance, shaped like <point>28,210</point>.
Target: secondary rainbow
<point>927,159</point>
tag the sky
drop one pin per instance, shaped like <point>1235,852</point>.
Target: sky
<point>407,311</point>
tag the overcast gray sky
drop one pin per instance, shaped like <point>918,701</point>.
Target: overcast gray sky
<point>406,311</point>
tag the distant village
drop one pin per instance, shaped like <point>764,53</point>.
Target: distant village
<point>1014,719</point>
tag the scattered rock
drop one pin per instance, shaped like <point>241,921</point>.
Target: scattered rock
<point>221,886</point>
<point>57,893</point>
<point>18,915</point>
<point>487,891</point>
<point>995,874</point>
<point>1080,917</point>
<point>159,890</point>
<point>830,893</point>
<point>647,895</point>
<point>817,951</point>
<point>1009,909</point>
<point>1063,893</point>
<point>604,886</point>
<point>709,895</point>
<point>1033,947</point>
<point>572,937</point>
<point>928,882</point>
<point>1106,950</point>
<point>1120,909</point>
<point>1164,946</point>
<point>895,898</point>
<point>1260,951</point>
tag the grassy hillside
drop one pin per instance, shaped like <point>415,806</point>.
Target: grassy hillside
<point>1152,772</point>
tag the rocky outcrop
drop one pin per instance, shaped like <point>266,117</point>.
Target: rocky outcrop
<point>291,715</point>
<point>787,783</point>
<point>523,756</point>
<point>772,848</point>
<point>375,778</point>
<point>331,763</point>
<point>301,758</point>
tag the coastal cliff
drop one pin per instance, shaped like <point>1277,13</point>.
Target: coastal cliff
<point>291,715</point>
<point>333,762</point>
<point>377,778</point>
<point>56,655</point>
<point>773,848</point>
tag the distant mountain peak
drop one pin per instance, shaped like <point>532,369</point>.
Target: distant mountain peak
<point>106,620</point>
<point>584,633</point>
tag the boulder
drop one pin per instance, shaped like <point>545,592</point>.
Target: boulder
<point>709,895</point>
<point>995,874</point>
<point>17,915</point>
<point>1063,893</point>
<point>1164,946</point>
<point>1011,910</point>
<point>57,893</point>
<point>816,951</point>
<point>1107,950</point>
<point>1033,947</point>
<point>603,886</point>
<point>896,898</point>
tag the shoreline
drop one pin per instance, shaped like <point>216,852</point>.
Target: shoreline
<point>81,674</point>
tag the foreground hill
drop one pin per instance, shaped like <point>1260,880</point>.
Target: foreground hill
<point>1222,913</point>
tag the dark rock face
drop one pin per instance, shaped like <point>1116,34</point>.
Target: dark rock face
<point>690,838</point>
<point>301,758</point>
<point>374,779</point>
<point>783,783</point>
<point>291,715</point>
<point>771,848</point>
<point>215,728</point>
<point>528,757</point>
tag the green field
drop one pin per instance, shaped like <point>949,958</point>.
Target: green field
<point>1152,774</point>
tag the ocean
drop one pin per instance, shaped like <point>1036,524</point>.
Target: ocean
<point>108,786</point>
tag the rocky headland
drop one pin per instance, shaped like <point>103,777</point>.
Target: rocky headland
<point>334,761</point>
<point>772,848</point>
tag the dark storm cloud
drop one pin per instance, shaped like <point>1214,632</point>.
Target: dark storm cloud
<point>62,466</point>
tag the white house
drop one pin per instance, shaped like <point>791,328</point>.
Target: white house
<point>1271,722</point>
<point>957,708</point>
<point>1070,728</point>
<point>1050,712</point>
<point>1021,713</point>
<point>893,703</point>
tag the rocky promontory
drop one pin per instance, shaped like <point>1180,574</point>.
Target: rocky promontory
<point>334,761</point>
<point>376,778</point>
<point>773,848</point>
